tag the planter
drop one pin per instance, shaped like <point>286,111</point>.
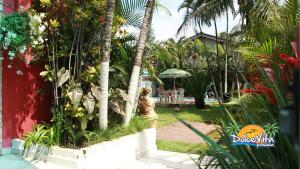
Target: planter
<point>108,155</point>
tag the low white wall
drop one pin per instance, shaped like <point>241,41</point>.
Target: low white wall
<point>107,155</point>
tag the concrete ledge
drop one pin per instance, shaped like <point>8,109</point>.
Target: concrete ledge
<point>109,155</point>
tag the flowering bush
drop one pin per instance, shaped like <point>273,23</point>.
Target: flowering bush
<point>21,31</point>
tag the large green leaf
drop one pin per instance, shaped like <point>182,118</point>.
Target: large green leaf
<point>96,92</point>
<point>63,76</point>
<point>83,123</point>
<point>75,96</point>
<point>89,103</point>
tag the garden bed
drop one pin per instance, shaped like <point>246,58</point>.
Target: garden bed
<point>124,150</point>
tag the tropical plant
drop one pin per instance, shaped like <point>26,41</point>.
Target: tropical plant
<point>104,72</point>
<point>284,15</point>
<point>73,55</point>
<point>198,85</point>
<point>42,135</point>
<point>226,155</point>
<point>133,85</point>
<point>20,31</point>
<point>268,90</point>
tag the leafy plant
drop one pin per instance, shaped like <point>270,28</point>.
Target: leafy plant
<point>42,134</point>
<point>198,85</point>
<point>20,31</point>
<point>268,91</point>
<point>15,33</point>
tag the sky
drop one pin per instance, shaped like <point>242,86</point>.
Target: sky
<point>166,26</point>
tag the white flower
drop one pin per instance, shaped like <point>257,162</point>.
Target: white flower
<point>40,39</point>
<point>11,54</point>
<point>23,49</point>
<point>42,15</point>
<point>42,28</point>
<point>35,42</point>
<point>19,72</point>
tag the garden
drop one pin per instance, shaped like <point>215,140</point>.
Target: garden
<point>232,99</point>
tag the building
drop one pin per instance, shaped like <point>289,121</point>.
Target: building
<point>209,39</point>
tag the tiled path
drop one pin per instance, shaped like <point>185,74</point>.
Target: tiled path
<point>179,132</point>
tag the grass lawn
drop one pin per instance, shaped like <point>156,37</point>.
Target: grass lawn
<point>181,147</point>
<point>166,117</point>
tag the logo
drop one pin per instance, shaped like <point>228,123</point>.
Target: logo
<point>253,135</point>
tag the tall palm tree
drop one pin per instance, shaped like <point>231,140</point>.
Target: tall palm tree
<point>226,55</point>
<point>133,85</point>
<point>199,13</point>
<point>104,73</point>
<point>207,11</point>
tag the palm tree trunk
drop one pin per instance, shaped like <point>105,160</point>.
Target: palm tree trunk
<point>209,67</point>
<point>226,56</point>
<point>218,59</point>
<point>238,84</point>
<point>104,72</point>
<point>133,85</point>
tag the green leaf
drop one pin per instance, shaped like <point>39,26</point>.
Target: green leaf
<point>83,123</point>
<point>89,103</point>
<point>75,96</point>
<point>62,76</point>
<point>44,73</point>
<point>96,91</point>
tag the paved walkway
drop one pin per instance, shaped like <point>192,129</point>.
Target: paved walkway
<point>166,160</point>
<point>161,160</point>
<point>179,132</point>
<point>11,161</point>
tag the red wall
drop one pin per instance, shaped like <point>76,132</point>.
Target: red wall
<point>24,103</point>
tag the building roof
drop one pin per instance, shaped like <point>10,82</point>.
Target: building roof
<point>207,36</point>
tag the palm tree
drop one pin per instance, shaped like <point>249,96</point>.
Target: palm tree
<point>226,55</point>
<point>104,73</point>
<point>201,12</point>
<point>271,129</point>
<point>133,85</point>
<point>233,128</point>
<point>190,6</point>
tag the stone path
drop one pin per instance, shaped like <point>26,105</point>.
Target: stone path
<point>179,132</point>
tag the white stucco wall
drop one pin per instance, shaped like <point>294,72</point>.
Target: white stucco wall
<point>107,155</point>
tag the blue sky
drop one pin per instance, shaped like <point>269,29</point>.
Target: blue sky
<point>166,26</point>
